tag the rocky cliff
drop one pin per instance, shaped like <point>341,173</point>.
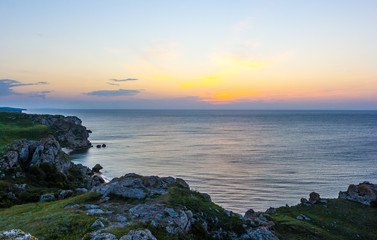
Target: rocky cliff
<point>69,130</point>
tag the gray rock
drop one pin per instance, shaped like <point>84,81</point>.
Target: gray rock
<point>139,235</point>
<point>83,190</point>
<point>72,206</point>
<point>314,198</point>
<point>49,151</point>
<point>271,210</point>
<point>120,218</point>
<point>97,168</point>
<point>94,211</point>
<point>364,193</point>
<point>302,217</point>
<point>12,195</point>
<point>104,236</point>
<point>65,194</point>
<point>96,180</point>
<point>47,197</point>
<point>16,234</point>
<point>97,224</point>
<point>91,206</point>
<point>182,182</point>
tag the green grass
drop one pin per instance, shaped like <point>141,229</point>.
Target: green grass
<point>337,219</point>
<point>50,220</point>
<point>15,126</point>
<point>213,214</point>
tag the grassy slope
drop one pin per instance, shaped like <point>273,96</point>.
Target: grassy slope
<point>49,220</point>
<point>16,126</point>
<point>337,219</point>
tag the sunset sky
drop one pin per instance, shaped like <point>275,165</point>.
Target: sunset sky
<point>188,54</point>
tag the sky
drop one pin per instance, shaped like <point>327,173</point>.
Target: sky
<point>188,54</point>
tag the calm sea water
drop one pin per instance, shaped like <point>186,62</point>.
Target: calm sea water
<point>243,159</point>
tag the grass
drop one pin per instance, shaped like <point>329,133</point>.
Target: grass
<point>50,220</point>
<point>213,214</point>
<point>15,126</point>
<point>337,219</point>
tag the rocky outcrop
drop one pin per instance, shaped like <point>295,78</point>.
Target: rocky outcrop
<point>138,187</point>
<point>24,153</point>
<point>365,193</point>
<point>69,130</point>
<point>16,234</point>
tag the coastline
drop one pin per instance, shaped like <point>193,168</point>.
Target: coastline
<point>182,211</point>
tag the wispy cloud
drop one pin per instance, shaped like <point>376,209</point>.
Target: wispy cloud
<point>123,80</point>
<point>114,93</point>
<point>7,85</point>
<point>113,84</point>
<point>41,94</point>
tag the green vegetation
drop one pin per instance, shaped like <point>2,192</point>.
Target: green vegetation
<point>50,220</point>
<point>337,219</point>
<point>41,179</point>
<point>15,126</point>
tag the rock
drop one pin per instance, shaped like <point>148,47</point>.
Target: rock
<point>71,134</point>
<point>91,206</point>
<point>182,183</point>
<point>97,168</point>
<point>72,206</point>
<point>16,234</point>
<point>47,197</point>
<point>65,194</point>
<point>94,211</point>
<point>97,224</point>
<point>12,195</point>
<point>120,218</point>
<point>314,198</point>
<point>260,233</point>
<point>206,196</point>
<point>250,214</point>
<point>133,186</point>
<point>271,210</point>
<point>302,217</point>
<point>303,200</point>
<point>85,171</point>
<point>96,180</point>
<point>103,145</point>
<point>139,235</point>
<point>49,151</point>
<point>83,190</point>
<point>98,146</point>
<point>104,236</point>
<point>365,193</point>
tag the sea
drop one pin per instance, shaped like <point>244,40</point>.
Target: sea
<point>242,159</point>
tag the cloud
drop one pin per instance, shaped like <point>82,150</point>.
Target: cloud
<point>41,94</point>
<point>113,84</point>
<point>114,93</point>
<point>123,80</point>
<point>7,85</point>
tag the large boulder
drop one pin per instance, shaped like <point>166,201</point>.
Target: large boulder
<point>364,193</point>
<point>134,186</point>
